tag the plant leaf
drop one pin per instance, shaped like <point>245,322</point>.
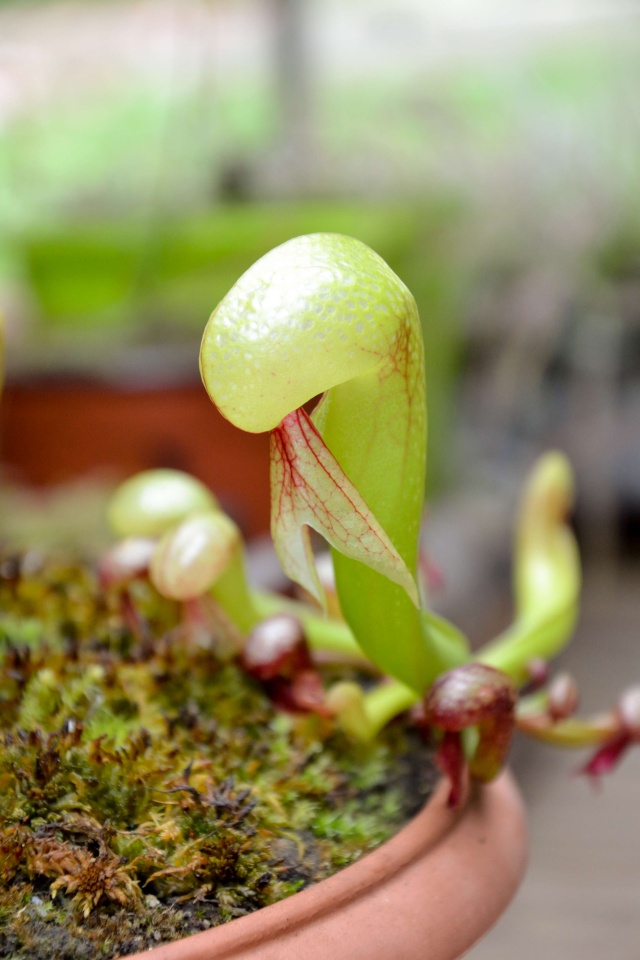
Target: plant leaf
<point>310,489</point>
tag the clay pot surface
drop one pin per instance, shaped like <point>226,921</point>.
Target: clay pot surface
<point>427,894</point>
<point>56,431</point>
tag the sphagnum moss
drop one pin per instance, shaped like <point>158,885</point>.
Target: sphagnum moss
<point>148,789</point>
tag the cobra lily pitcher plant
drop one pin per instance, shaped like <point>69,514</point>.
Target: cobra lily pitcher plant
<point>323,317</point>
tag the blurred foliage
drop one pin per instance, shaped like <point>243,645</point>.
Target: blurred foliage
<point>160,286</point>
<point>176,271</point>
<point>556,119</point>
<point>69,517</point>
<point>465,172</point>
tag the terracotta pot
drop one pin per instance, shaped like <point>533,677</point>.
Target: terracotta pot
<point>427,894</point>
<point>58,430</point>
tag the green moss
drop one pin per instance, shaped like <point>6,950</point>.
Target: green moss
<point>148,790</point>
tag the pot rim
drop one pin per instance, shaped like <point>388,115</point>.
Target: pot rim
<point>445,878</point>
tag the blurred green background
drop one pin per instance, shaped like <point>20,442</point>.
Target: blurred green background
<point>150,151</point>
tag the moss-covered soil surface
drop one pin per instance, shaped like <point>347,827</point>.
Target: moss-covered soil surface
<point>148,789</point>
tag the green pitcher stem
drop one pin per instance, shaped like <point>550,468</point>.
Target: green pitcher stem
<point>375,425</point>
<point>233,594</point>
<point>528,639</point>
<point>385,702</point>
